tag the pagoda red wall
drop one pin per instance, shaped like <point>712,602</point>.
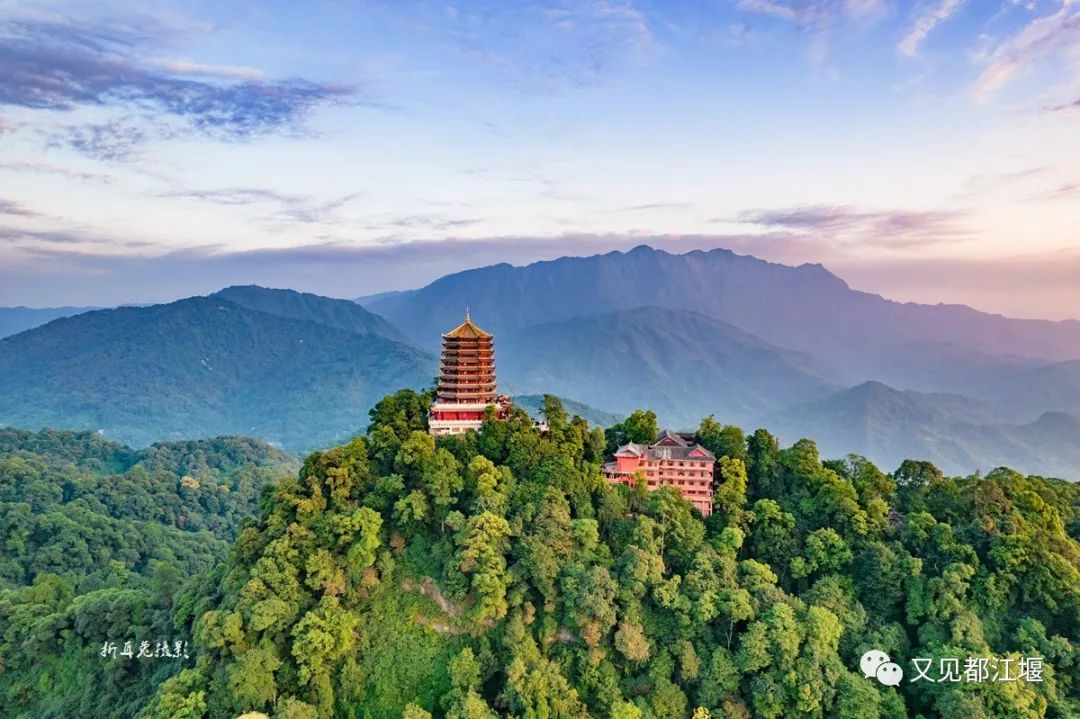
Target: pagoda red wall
<point>452,416</point>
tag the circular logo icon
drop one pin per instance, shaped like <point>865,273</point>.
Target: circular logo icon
<point>871,661</point>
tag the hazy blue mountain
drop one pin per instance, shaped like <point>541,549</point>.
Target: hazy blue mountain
<point>754,343</point>
<point>859,335</point>
<point>19,319</point>
<point>681,364</point>
<point>1020,392</point>
<point>958,434</point>
<point>201,367</point>
<point>534,403</point>
<point>370,299</point>
<point>342,314</point>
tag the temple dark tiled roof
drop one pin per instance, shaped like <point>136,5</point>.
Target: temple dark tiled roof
<point>668,445</point>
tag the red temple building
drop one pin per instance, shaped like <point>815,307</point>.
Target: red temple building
<point>673,460</point>
<point>466,381</point>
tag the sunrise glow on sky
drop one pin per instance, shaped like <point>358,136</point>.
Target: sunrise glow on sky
<point>928,151</point>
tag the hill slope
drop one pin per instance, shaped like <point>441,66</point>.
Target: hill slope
<point>342,314</point>
<point>682,364</point>
<point>201,367</point>
<point>534,405</point>
<point>526,586</point>
<point>958,434</point>
<point>102,543</point>
<point>1021,392</point>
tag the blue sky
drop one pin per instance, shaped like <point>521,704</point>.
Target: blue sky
<point>929,151</point>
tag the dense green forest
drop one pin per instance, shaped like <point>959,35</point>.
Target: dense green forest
<point>496,574</point>
<point>209,366</point>
<point>98,540</point>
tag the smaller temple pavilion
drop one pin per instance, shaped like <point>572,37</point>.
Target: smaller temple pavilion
<point>466,385</point>
<point>673,460</point>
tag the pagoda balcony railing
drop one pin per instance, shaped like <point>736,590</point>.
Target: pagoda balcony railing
<point>453,423</point>
<point>443,406</point>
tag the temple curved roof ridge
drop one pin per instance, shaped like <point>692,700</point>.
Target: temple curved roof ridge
<point>467,329</point>
<point>668,445</point>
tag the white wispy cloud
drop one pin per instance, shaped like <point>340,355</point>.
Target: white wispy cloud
<point>560,44</point>
<point>770,7</point>
<point>846,224</point>
<point>818,19</point>
<point>925,25</point>
<point>49,168</point>
<point>1043,37</point>
<point>61,66</point>
<point>7,207</point>
<point>183,66</point>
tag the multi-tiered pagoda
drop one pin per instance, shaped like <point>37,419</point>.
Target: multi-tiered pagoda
<point>466,381</point>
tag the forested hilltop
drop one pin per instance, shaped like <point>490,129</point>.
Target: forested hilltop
<point>497,575</point>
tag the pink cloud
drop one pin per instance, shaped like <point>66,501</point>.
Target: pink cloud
<point>1043,37</point>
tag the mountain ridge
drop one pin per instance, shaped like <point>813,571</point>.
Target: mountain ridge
<point>752,294</point>
<point>959,434</point>
<point>622,330</point>
<point>201,367</point>
<point>341,314</point>
<point>14,320</point>
<point>682,363</point>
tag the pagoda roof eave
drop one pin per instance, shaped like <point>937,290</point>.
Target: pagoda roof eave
<point>467,330</point>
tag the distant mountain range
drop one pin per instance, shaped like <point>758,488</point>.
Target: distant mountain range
<point>961,435</point>
<point>681,364</point>
<point>856,334</point>
<point>208,366</point>
<point>14,320</point>
<point>755,343</point>
<point>615,331</point>
<point>340,314</point>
